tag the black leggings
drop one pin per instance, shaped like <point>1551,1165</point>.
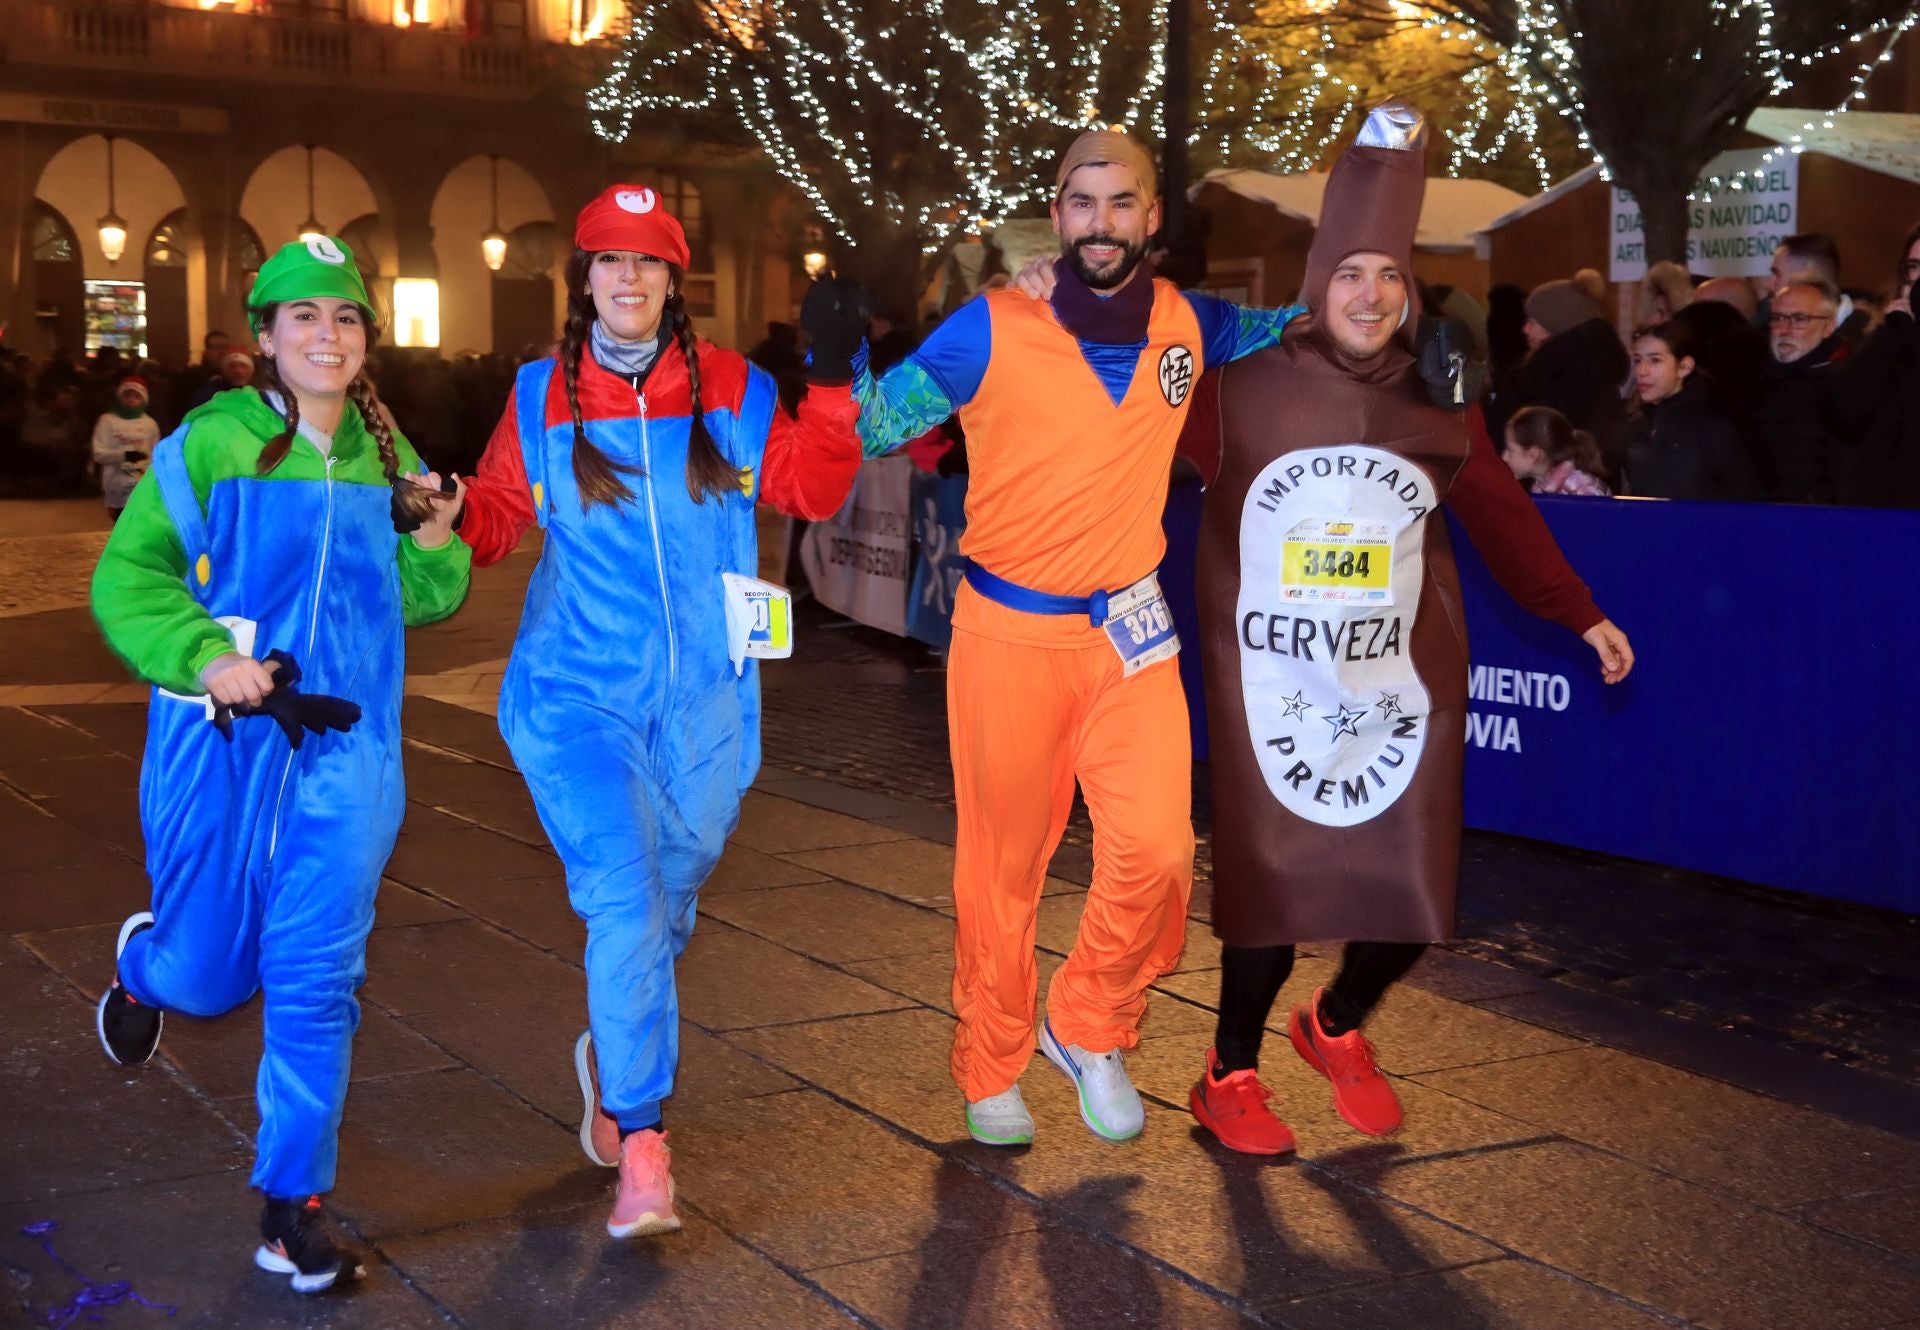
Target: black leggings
<point>1251,977</point>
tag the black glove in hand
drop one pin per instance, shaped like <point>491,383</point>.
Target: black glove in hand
<point>1453,377</point>
<point>835,316</point>
<point>291,709</point>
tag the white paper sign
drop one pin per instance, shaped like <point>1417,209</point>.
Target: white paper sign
<point>1732,233</point>
<point>857,561</point>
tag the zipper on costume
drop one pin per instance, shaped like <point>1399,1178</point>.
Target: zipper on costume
<point>659,556</point>
<point>313,630</point>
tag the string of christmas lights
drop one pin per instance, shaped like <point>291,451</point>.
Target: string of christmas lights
<point>991,88</point>
<point>1539,71</point>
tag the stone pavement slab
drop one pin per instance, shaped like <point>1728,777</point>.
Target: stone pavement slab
<point>1660,1241</point>
<point>461,963</point>
<point>812,1183</point>
<point>1492,1295</point>
<point>558,1271</point>
<point>1053,1277</point>
<point>781,826</point>
<point>741,869</point>
<point>832,921</point>
<point>1887,1219</point>
<point>77,1123</point>
<point>729,980</point>
<point>199,1261</point>
<point>1759,1149</point>
<point>916,870</point>
<point>42,898</point>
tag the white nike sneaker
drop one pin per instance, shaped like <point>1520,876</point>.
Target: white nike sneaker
<point>1000,1119</point>
<point>1109,1104</point>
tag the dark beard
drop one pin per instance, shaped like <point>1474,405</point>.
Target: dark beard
<point>1129,260</point>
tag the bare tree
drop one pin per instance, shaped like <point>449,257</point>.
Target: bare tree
<point>1659,88</point>
<point>906,123</point>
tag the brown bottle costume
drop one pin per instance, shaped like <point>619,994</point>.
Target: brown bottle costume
<point>1332,630</point>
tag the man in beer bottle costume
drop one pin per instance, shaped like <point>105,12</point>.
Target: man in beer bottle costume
<point>1334,641</point>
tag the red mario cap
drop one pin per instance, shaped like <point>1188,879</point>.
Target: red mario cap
<point>631,217</point>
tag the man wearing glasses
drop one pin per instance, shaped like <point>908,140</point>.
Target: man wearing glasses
<point>1798,455</point>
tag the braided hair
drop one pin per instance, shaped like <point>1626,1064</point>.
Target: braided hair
<point>598,476</point>
<point>417,502</point>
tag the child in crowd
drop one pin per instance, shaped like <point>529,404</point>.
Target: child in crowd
<point>1547,453</point>
<point>123,440</point>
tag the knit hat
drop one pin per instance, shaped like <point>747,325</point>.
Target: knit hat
<point>1372,201</point>
<point>306,270</point>
<point>134,384</point>
<point>630,217</point>
<point>1107,147</point>
<point>1559,306</point>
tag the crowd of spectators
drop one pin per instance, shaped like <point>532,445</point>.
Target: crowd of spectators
<point>1802,391</point>
<point>51,409</point>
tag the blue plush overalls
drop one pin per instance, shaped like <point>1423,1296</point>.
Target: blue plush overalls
<point>622,708</point>
<point>264,860</point>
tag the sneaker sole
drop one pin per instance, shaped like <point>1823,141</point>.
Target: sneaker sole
<point>582,1050</point>
<point>134,923</point>
<point>274,1263</point>
<point>100,1029</point>
<point>646,1226</point>
<point>1058,1057</point>
<point>1297,1036</point>
<point>987,1138</point>
<point>1196,1102</point>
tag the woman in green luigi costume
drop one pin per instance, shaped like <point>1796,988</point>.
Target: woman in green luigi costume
<point>261,578</point>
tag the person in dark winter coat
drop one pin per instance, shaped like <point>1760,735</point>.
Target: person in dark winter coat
<point>1800,454</point>
<point>1876,400</point>
<point>1577,365</point>
<point>1730,357</point>
<point>1680,445</point>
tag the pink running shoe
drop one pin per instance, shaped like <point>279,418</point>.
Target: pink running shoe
<point>644,1203</point>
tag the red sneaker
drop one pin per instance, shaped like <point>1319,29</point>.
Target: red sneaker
<point>1361,1094</point>
<point>1235,1110</point>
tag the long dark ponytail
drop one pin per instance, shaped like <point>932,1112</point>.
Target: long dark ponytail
<point>598,476</point>
<point>418,502</point>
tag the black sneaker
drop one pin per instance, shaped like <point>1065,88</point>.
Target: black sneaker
<point>129,1029</point>
<point>297,1240</point>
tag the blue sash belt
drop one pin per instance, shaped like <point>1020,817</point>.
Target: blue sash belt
<point>1029,601</point>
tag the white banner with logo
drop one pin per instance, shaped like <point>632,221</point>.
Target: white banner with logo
<point>857,560</point>
<point>1731,233</point>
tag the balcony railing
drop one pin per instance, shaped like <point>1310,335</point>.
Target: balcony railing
<point>159,39</point>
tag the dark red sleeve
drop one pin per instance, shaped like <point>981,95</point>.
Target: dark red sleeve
<point>1200,436</point>
<point>499,506</point>
<point>811,456</point>
<point>1511,536</point>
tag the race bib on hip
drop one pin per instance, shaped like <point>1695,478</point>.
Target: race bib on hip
<point>1140,626</point>
<point>759,620</point>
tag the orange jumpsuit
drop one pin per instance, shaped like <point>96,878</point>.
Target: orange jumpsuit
<point>1071,411</point>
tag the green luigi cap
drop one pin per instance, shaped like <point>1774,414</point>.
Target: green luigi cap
<point>304,270</point>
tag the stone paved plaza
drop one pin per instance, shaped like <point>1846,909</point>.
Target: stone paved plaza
<point>1634,1099</point>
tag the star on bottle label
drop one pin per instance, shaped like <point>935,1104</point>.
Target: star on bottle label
<point>1389,704</point>
<point>1347,722</point>
<point>1295,705</point>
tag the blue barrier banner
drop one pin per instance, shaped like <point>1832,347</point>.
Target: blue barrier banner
<point>1765,733</point>
<point>939,508</point>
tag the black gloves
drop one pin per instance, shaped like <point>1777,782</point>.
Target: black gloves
<point>290,708</point>
<point>835,316</point>
<point>411,505</point>
<point>1453,377</point>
